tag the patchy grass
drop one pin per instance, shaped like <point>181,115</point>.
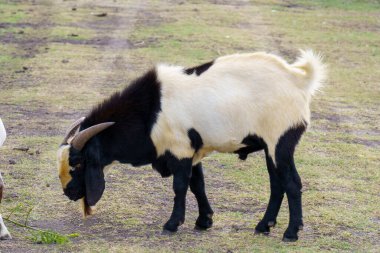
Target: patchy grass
<point>70,33</point>
<point>65,75</point>
<point>350,5</point>
<point>10,12</point>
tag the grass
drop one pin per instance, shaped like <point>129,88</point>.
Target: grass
<point>10,12</point>
<point>349,5</point>
<point>50,237</point>
<point>69,32</point>
<point>338,158</point>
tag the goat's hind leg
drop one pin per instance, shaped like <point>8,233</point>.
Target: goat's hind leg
<point>275,200</point>
<point>290,180</point>
<point>197,186</point>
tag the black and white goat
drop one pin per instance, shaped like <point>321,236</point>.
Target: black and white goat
<point>172,117</point>
<point>4,233</point>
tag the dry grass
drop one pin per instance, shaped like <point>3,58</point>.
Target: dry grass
<point>66,75</point>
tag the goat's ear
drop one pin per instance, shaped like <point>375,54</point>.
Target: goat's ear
<point>95,184</point>
<point>94,178</point>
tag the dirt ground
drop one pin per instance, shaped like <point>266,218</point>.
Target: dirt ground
<point>60,58</point>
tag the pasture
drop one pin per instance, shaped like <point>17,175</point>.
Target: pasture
<point>59,58</point>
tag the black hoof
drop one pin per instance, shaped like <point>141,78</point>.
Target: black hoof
<point>291,234</point>
<point>286,239</point>
<point>172,226</point>
<point>199,228</point>
<point>262,228</point>
<point>204,222</point>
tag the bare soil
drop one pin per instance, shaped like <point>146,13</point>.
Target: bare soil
<point>139,201</point>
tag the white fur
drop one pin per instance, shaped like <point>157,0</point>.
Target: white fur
<point>3,133</point>
<point>313,67</point>
<point>4,233</point>
<point>241,94</point>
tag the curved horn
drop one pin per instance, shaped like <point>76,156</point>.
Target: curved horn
<point>72,129</point>
<point>82,137</point>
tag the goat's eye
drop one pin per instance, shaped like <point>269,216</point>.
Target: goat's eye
<point>78,166</point>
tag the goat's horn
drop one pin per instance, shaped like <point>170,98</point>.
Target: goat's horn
<point>72,130</point>
<point>82,137</point>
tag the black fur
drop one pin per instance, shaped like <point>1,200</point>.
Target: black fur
<point>94,176</point>
<point>195,139</point>
<point>76,188</point>
<point>284,178</point>
<point>199,69</point>
<point>290,179</point>
<point>254,143</point>
<point>275,200</point>
<point>197,186</point>
<point>134,111</point>
<point>75,157</point>
<point>181,179</point>
<point>161,164</point>
<point>287,143</point>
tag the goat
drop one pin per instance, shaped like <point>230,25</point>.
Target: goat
<point>4,233</point>
<point>171,117</point>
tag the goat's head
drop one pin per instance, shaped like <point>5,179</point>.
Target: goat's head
<point>79,166</point>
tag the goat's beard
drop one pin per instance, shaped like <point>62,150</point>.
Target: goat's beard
<point>87,210</point>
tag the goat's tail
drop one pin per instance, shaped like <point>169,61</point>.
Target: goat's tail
<point>311,71</point>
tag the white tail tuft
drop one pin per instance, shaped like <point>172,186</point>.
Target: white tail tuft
<point>314,71</point>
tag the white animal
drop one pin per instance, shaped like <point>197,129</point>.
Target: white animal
<point>4,233</point>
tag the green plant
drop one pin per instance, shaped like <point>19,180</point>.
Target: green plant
<point>38,236</point>
<point>50,237</point>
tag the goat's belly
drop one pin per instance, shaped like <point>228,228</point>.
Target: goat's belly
<point>224,132</point>
<point>228,147</point>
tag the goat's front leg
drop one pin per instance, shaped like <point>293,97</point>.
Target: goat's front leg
<point>181,179</point>
<point>197,186</point>
<point>4,233</point>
